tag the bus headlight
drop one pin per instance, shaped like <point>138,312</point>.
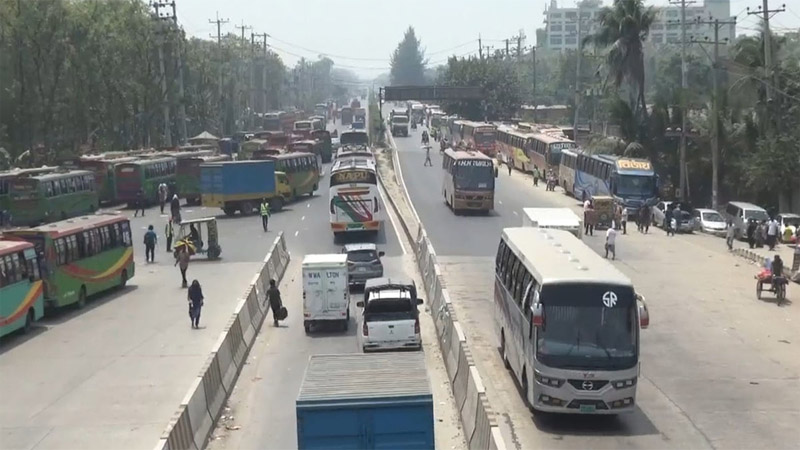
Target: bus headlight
<point>622,384</point>
<point>555,382</point>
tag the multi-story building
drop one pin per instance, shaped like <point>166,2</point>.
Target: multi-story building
<point>561,30</point>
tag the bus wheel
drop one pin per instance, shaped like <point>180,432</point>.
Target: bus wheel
<point>82,297</point>
<point>246,208</point>
<point>28,321</point>
<point>229,211</point>
<point>123,279</point>
<point>503,349</point>
<point>525,387</point>
<point>276,204</point>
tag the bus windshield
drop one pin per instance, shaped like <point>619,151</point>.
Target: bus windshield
<point>474,175</point>
<point>581,332</point>
<point>484,137</point>
<point>354,139</point>
<point>636,185</point>
<point>272,124</point>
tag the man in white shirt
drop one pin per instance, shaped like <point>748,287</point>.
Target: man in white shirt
<point>772,233</point>
<point>611,238</point>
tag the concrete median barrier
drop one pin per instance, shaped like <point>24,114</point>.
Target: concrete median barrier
<point>461,378</point>
<point>193,422</point>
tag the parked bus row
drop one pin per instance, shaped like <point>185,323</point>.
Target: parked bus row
<point>64,263</point>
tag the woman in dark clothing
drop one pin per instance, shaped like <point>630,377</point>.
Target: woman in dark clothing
<point>195,303</point>
<point>275,302</point>
<point>751,233</point>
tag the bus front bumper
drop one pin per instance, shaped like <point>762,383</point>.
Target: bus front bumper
<point>342,227</point>
<point>568,400</point>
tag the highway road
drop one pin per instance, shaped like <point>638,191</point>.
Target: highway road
<point>719,368</point>
<point>261,411</point>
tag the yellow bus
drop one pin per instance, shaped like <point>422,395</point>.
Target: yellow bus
<point>468,180</point>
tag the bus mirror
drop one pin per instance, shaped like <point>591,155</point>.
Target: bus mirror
<point>536,315</point>
<point>644,315</point>
<point>360,304</point>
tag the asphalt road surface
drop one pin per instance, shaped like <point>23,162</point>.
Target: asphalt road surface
<point>719,368</point>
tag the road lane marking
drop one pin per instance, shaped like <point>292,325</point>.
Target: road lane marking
<point>500,201</point>
<point>515,213</point>
<point>308,205</point>
<point>303,218</point>
<point>296,233</point>
<point>386,206</point>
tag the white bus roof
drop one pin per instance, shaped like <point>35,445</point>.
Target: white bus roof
<point>346,162</point>
<point>550,217</point>
<point>561,257</point>
<point>325,260</point>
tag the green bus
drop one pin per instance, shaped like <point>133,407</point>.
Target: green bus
<point>144,174</point>
<point>302,169</point>
<point>54,196</point>
<point>81,257</point>
<point>103,168</point>
<point>21,290</point>
<point>187,175</point>
<point>6,176</point>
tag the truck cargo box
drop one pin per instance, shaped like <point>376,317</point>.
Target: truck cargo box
<point>238,177</point>
<point>365,401</point>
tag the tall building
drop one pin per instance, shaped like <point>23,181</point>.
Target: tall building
<point>561,24</point>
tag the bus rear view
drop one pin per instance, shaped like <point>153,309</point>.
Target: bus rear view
<point>568,323</point>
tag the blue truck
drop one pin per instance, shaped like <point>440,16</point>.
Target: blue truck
<point>365,401</point>
<point>241,185</point>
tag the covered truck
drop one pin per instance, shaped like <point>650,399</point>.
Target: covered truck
<point>365,401</point>
<point>241,185</point>
<point>558,218</point>
<point>326,293</point>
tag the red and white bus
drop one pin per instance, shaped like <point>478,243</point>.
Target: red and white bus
<point>478,136</point>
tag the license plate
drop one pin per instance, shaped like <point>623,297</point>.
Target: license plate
<point>362,269</point>
<point>587,408</point>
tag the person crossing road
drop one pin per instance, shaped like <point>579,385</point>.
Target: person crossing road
<point>264,214</point>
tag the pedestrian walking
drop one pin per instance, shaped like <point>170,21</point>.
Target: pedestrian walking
<point>536,176</point>
<point>647,219</point>
<point>611,238</point>
<point>428,156</point>
<point>264,214</point>
<point>677,216</point>
<point>625,220</point>
<point>150,240</point>
<point>195,296</point>
<point>510,165</point>
<point>175,208</point>
<point>761,234</point>
<point>182,261</point>
<point>139,203</point>
<point>169,232</point>
<point>275,302</point>
<point>668,221</point>
<point>162,195</point>
<point>730,234</point>
<point>772,233</point>
<point>751,233</point>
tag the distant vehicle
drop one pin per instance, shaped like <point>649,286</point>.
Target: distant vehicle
<point>686,224</point>
<point>468,182</point>
<point>346,115</point>
<point>399,125</point>
<point>354,137</point>
<point>104,177</point>
<point>788,221</point>
<point>568,332</point>
<point>241,186</point>
<point>302,170</point>
<point>709,221</point>
<point>363,262</point>
<point>479,136</point>
<point>355,104</point>
<point>659,212</point>
<point>145,174</point>
<point>326,295</point>
<point>308,146</point>
<point>82,256</point>
<point>336,144</point>
<point>352,400</point>
<point>54,196</point>
<point>632,182</point>
<point>21,288</point>
<point>556,218</point>
<point>358,126</point>
<point>317,122</point>
<point>355,203</point>
<point>324,136</point>
<point>303,128</point>
<point>390,320</point>
<point>321,109</point>
<point>417,112</point>
<point>187,176</point>
<point>740,213</point>
<point>7,176</point>
<point>359,115</point>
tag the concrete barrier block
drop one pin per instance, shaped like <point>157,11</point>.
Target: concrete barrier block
<point>227,366</point>
<point>199,418</point>
<point>469,410</point>
<point>450,350</point>
<point>461,379</point>
<point>496,441</point>
<point>162,444</point>
<point>212,383</point>
<point>238,345</point>
<point>482,435</point>
<point>446,298</point>
<point>178,434</point>
<point>255,312</point>
<point>243,313</point>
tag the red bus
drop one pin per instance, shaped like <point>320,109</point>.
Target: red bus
<point>479,136</point>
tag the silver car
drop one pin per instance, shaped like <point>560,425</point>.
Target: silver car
<point>363,262</point>
<point>709,221</point>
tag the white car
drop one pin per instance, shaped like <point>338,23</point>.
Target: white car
<point>788,220</point>
<point>709,221</point>
<point>390,319</point>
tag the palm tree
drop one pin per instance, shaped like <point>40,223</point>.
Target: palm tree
<point>623,28</point>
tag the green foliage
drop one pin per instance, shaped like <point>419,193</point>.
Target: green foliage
<point>408,61</point>
<point>775,164</point>
<point>499,80</point>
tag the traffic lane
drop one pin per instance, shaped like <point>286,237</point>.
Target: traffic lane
<point>711,347</point>
<point>446,230</point>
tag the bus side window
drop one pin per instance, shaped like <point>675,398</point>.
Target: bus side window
<point>519,283</point>
<point>126,234</point>
<point>104,232</point>
<point>61,251</point>
<point>74,250</point>
<point>33,269</point>
<point>15,271</point>
<point>512,275</point>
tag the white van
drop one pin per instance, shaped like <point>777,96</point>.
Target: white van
<point>557,218</point>
<point>326,296</point>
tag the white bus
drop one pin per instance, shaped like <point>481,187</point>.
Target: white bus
<point>557,218</point>
<point>568,323</point>
<point>355,203</point>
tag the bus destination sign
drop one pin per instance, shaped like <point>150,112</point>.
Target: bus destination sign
<point>353,176</point>
<point>475,162</point>
<point>632,164</point>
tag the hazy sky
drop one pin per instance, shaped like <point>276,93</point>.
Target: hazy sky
<point>361,34</point>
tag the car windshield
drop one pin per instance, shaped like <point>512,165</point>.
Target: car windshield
<point>400,119</point>
<point>635,185</point>
<point>475,177</point>
<point>791,221</point>
<point>712,217</point>
<point>362,255</point>
<point>757,214</point>
<point>581,331</point>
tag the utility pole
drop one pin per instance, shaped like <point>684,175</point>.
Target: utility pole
<point>264,75</point>
<point>480,47</point>
<point>578,58</point>
<point>507,48</point>
<point>520,36</point>
<point>163,74</point>
<point>684,103</point>
<point>183,136</point>
<point>765,12</point>
<point>715,106</point>
<point>535,101</point>
<point>219,22</point>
